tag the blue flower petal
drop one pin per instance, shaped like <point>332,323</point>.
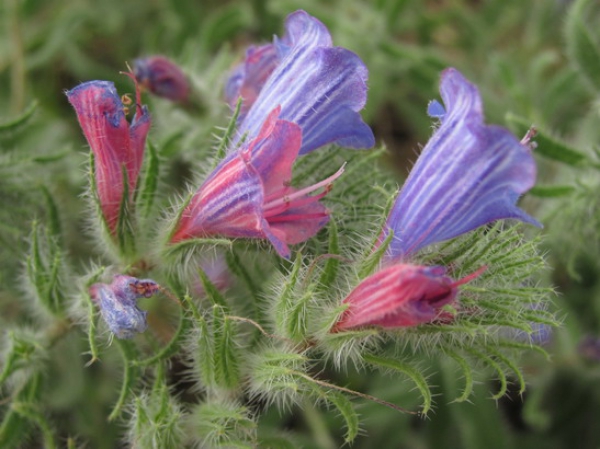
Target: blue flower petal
<point>469,174</point>
<point>319,87</point>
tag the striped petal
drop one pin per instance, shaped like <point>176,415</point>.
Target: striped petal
<point>248,194</point>
<point>469,174</point>
<point>319,87</point>
<point>401,295</point>
<point>113,141</point>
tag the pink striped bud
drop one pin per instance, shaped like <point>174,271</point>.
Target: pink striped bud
<point>400,295</point>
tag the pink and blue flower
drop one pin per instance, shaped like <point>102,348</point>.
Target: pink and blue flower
<point>319,87</point>
<point>117,146</point>
<point>298,94</point>
<point>468,175</point>
<point>118,303</point>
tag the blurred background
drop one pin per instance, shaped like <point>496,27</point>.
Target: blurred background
<point>535,62</point>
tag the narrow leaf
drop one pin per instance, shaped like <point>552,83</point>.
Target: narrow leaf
<point>149,183</point>
<point>494,365</point>
<point>204,353</point>
<point>52,216</point>
<point>409,371</point>
<point>227,370</point>
<point>211,291</point>
<point>347,411</point>
<point>551,191</point>
<point>228,135</point>
<point>130,374</point>
<point>331,266</point>
<point>371,261</point>
<point>468,374</point>
<point>20,121</point>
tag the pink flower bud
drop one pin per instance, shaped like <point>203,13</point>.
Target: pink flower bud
<point>400,295</point>
<point>162,77</point>
<point>116,144</point>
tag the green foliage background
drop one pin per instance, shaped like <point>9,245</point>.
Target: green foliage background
<point>534,62</point>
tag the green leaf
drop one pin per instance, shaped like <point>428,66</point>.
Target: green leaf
<point>287,298</point>
<point>156,419</point>
<point>228,135</point>
<point>130,375</point>
<point>149,182</point>
<point>467,372</point>
<point>203,354</point>
<point>13,429</point>
<point>411,372</point>
<point>226,354</point>
<point>511,365</point>
<point>551,191</point>
<point>296,317</point>
<point>583,48</point>
<point>125,225</point>
<point>371,261</point>
<point>331,266</point>
<point>20,121</point>
<point>547,146</point>
<point>494,365</point>
<point>221,424</point>
<point>53,217</point>
<point>24,351</point>
<point>45,269</point>
<point>211,291</point>
<point>347,411</point>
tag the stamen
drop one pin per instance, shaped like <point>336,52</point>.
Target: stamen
<point>285,202</point>
<point>526,140</point>
<point>468,278</point>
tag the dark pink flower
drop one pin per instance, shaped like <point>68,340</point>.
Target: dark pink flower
<point>400,295</point>
<point>249,195</point>
<point>117,145</point>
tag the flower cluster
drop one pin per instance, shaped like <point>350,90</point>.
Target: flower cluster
<point>297,95</point>
<point>249,194</point>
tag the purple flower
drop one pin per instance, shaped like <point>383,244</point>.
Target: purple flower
<point>116,144</point>
<point>248,79</point>
<point>118,306</point>
<point>319,87</point>
<point>469,174</point>
<point>162,77</point>
<point>249,195</point>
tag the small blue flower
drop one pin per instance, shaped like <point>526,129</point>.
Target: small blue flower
<point>118,303</point>
<point>469,174</point>
<point>319,87</point>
